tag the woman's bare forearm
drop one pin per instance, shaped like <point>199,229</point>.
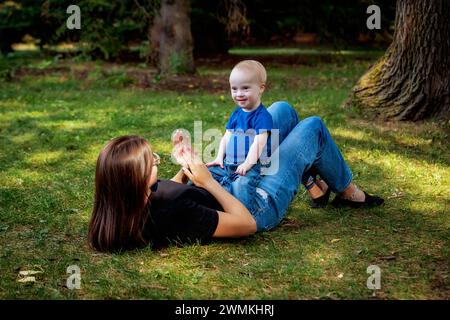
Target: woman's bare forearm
<point>228,202</point>
<point>180,177</point>
<point>236,220</point>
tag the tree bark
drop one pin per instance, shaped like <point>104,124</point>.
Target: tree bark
<point>172,38</point>
<point>412,80</point>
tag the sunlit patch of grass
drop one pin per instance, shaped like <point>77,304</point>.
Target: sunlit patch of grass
<point>45,158</point>
<point>69,125</point>
<point>24,175</point>
<point>249,51</point>
<point>25,47</point>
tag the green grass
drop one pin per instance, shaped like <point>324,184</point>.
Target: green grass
<point>53,125</point>
<point>257,51</point>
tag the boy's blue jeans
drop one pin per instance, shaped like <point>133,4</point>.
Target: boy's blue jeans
<point>305,148</point>
<point>242,187</point>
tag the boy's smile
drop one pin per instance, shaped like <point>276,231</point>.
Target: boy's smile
<point>245,89</point>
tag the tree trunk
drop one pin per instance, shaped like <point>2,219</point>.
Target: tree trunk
<point>412,80</point>
<point>172,38</point>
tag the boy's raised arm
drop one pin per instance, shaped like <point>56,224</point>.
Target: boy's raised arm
<point>254,153</point>
<point>221,153</point>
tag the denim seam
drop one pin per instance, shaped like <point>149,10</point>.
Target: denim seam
<point>347,184</point>
<point>299,153</point>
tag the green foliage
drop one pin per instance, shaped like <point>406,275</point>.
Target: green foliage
<point>110,28</point>
<point>18,18</point>
<point>6,69</point>
<point>179,62</point>
<point>107,27</point>
<point>120,79</point>
<point>335,22</point>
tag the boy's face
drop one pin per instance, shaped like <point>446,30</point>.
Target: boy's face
<point>246,91</point>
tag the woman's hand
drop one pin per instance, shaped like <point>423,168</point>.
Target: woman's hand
<point>196,171</point>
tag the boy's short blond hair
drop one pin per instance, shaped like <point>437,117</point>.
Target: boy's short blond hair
<point>253,66</point>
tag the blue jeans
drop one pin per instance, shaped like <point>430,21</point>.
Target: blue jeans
<point>305,148</point>
<point>242,187</point>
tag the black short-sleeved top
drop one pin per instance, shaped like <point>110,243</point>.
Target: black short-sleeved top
<point>181,213</point>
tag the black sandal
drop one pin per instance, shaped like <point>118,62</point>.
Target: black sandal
<point>369,202</point>
<point>322,201</point>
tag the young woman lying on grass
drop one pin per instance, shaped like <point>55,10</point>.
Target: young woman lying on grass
<point>132,208</point>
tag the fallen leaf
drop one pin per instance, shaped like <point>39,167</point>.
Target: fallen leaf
<point>29,272</point>
<point>332,296</point>
<point>388,258</point>
<point>27,279</point>
<point>335,240</point>
<point>340,275</point>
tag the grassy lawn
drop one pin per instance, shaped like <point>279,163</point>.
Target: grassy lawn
<point>55,116</point>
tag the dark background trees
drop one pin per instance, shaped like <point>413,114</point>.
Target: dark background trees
<point>409,83</point>
<point>109,27</point>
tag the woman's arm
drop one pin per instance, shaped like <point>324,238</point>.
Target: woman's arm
<point>180,177</point>
<point>235,220</point>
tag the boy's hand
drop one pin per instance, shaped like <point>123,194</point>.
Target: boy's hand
<point>216,162</point>
<point>243,168</point>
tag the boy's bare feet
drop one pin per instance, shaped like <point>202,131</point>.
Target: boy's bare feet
<point>181,143</point>
<point>182,147</point>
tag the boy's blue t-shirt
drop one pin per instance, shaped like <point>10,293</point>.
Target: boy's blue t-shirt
<point>244,127</point>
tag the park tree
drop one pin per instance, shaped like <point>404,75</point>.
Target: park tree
<point>171,37</point>
<point>412,80</point>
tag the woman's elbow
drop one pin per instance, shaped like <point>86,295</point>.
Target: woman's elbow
<point>235,226</point>
<point>251,228</point>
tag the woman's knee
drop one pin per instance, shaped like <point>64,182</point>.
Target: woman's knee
<point>282,111</point>
<point>281,106</point>
<point>314,121</point>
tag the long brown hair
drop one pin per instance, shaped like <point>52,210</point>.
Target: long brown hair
<point>121,203</point>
